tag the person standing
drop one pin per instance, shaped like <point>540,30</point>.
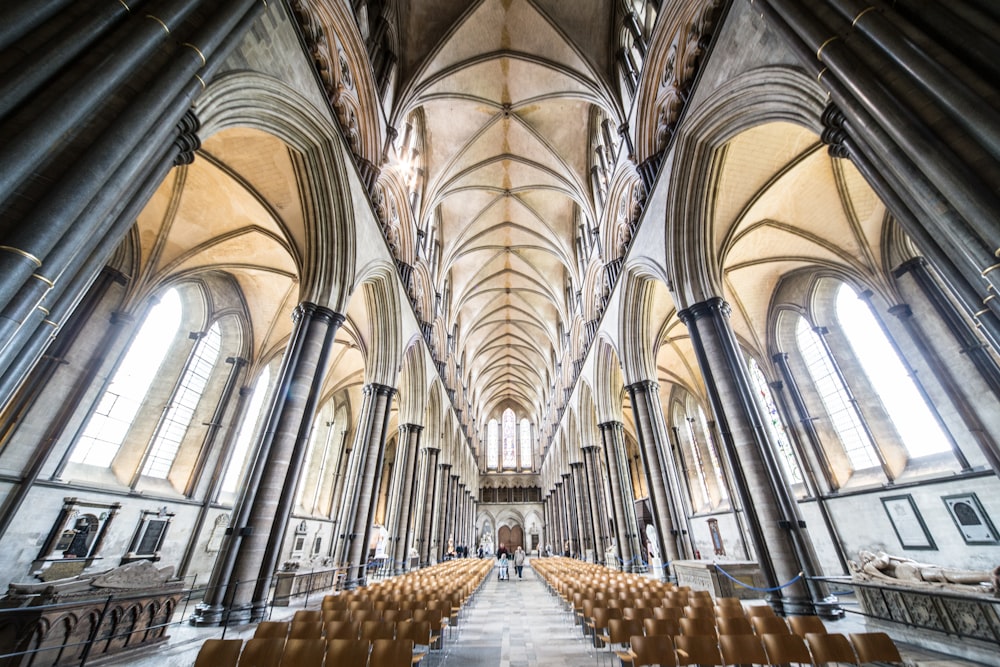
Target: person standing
<point>519,561</point>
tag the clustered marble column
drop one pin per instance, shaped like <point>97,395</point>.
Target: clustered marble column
<point>582,525</point>
<point>400,524</point>
<point>111,133</point>
<point>780,537</point>
<point>369,453</point>
<point>653,447</point>
<point>429,477</point>
<point>240,582</point>
<point>595,498</point>
<point>622,501</point>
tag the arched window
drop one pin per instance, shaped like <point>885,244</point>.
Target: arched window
<point>920,432</point>
<point>713,454</point>
<point>509,440</point>
<point>493,445</point>
<point>110,422</point>
<point>177,418</point>
<point>251,418</point>
<point>843,414</point>
<point>525,441</point>
<point>692,456</point>
<point>785,453</point>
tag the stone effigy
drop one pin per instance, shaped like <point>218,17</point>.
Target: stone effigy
<point>899,570</point>
<point>117,610</point>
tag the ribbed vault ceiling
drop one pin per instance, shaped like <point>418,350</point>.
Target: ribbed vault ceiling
<point>506,100</point>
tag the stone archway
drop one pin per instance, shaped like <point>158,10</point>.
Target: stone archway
<point>511,537</point>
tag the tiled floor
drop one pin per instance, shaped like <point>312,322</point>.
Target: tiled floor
<point>515,623</point>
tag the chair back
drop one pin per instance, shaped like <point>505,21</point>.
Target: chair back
<point>378,629</point>
<point>770,625</point>
<point>697,650</point>
<point>673,613</point>
<point>397,615</point>
<point>667,627</point>
<point>347,652</point>
<point>742,649</point>
<point>417,631</point>
<point>310,615</point>
<point>698,626</point>
<point>219,653</point>
<point>699,612</point>
<point>391,653</point>
<point>734,626</point>
<point>306,630</point>
<point>759,610</point>
<point>303,653</point>
<point>620,629</point>
<point>262,652</point>
<point>875,646</point>
<point>826,647</point>
<point>271,630</point>
<point>336,615</point>
<point>784,648</point>
<point>343,630</point>
<point>653,650</point>
<point>637,612</point>
<point>803,625</point>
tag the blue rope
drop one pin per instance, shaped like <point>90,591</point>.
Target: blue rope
<point>754,588</point>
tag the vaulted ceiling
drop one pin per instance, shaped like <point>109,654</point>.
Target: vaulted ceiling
<point>506,93</point>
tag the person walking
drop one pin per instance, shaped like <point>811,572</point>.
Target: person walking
<point>519,562</point>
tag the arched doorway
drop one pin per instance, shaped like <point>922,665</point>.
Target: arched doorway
<point>511,536</point>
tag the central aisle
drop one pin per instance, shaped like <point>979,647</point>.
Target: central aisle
<point>516,623</point>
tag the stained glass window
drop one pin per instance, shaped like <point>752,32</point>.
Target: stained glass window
<point>251,417</point>
<point>493,445</point>
<point>112,418</point>
<point>919,430</point>
<point>509,439</point>
<point>525,438</point>
<point>785,453</point>
<point>841,410</point>
<point>713,454</point>
<point>174,426</point>
<point>699,464</point>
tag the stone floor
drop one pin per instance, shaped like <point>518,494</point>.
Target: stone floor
<point>515,623</point>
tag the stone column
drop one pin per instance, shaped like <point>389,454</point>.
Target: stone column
<point>241,579</point>
<point>612,434</point>
<point>408,496</point>
<point>660,473</point>
<point>583,524</point>
<point>780,537</point>
<point>438,509</point>
<point>591,470</point>
<point>369,449</point>
<point>428,475</point>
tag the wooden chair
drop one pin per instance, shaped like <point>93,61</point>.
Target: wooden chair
<point>303,653</point>
<point>599,623</point>
<point>419,632</point>
<point>391,653</point>
<point>433,617</point>
<point>700,612</point>
<point>698,626</point>
<point>759,610</point>
<point>786,648</point>
<point>875,646</point>
<point>729,611</point>
<point>262,652</point>
<point>729,602</point>
<point>734,626</point>
<point>697,650</point>
<point>343,630</point>
<point>306,630</point>
<point>654,650</point>
<point>827,647</point>
<point>219,653</point>
<point>620,631</point>
<point>770,625</point>
<point>377,629</point>
<point>637,612</point>
<point>803,625</point>
<point>347,652</point>
<point>661,626</point>
<point>271,630</point>
<point>336,615</point>
<point>308,615</point>
<point>397,615</point>
<point>673,613</point>
<point>742,650</point>
<point>362,615</point>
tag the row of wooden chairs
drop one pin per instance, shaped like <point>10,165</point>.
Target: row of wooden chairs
<point>769,649</point>
<point>419,630</point>
<point>273,652</point>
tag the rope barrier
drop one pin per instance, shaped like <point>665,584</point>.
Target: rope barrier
<point>754,588</point>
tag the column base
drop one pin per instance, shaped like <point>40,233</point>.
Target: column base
<point>828,608</point>
<point>207,614</point>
